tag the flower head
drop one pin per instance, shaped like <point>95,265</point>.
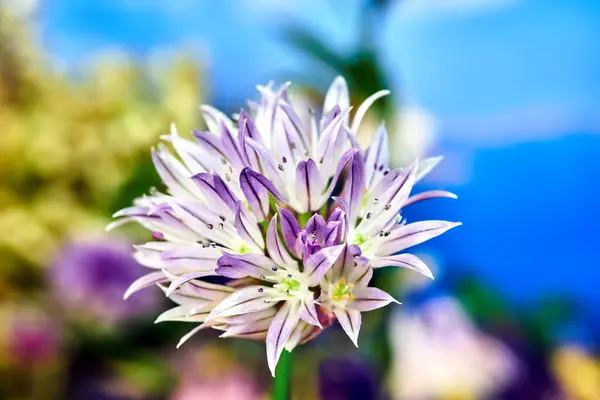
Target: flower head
<point>289,210</point>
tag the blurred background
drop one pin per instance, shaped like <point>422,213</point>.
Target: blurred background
<point>507,90</point>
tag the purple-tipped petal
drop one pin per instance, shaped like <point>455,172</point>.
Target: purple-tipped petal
<point>202,259</point>
<point>404,261</point>
<point>213,117</point>
<point>431,194</point>
<point>244,301</point>
<point>377,157</point>
<point>405,236</point>
<point>337,95</point>
<point>276,249</point>
<point>256,189</point>
<point>290,228</point>
<point>247,228</point>
<point>350,320</point>
<point>143,282</point>
<point>370,298</point>
<point>354,188</point>
<point>319,263</point>
<point>316,225</point>
<point>230,147</point>
<point>185,278</point>
<point>281,329</point>
<point>345,262</point>
<point>217,193</point>
<point>309,185</point>
<point>175,176</point>
<point>333,233</point>
<point>308,312</point>
<point>241,265</point>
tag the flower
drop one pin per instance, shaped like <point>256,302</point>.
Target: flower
<point>88,276</point>
<point>439,353</point>
<point>289,210</point>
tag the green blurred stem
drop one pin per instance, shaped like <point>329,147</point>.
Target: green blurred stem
<point>283,374</point>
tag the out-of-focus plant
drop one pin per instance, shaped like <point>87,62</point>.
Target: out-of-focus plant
<point>68,144</point>
<point>577,372</point>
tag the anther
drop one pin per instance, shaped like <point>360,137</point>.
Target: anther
<point>210,226</point>
<point>368,215</point>
<point>321,160</point>
<point>221,226</point>
<point>375,200</point>
<point>223,160</point>
<point>290,276</point>
<point>387,207</point>
<point>227,177</point>
<point>222,218</point>
<point>158,235</point>
<point>274,268</point>
<point>260,290</point>
<point>280,166</point>
<point>387,171</point>
<point>293,145</point>
<point>283,159</point>
<point>386,234</point>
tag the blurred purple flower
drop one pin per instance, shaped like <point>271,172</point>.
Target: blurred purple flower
<point>347,379</point>
<point>89,278</point>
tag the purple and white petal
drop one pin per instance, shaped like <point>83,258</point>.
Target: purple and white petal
<point>307,310</point>
<point>276,249</point>
<point>350,320</point>
<point>309,186</point>
<point>337,95</point>
<point>247,227</point>
<point>426,166</point>
<point>241,265</point>
<point>369,298</point>
<point>281,329</point>
<point>377,158</point>
<point>431,194</point>
<point>290,228</point>
<point>354,188</point>
<point>319,263</point>
<point>145,281</point>
<point>404,236</point>
<point>247,300</point>
<point>212,117</point>
<point>257,189</point>
<point>409,261</point>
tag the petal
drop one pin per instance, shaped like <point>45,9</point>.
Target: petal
<point>345,263</point>
<point>256,189</point>
<point>350,320</point>
<point>319,263</point>
<point>290,227</point>
<point>143,282</point>
<point>281,329</point>
<point>190,334</point>
<point>182,279</point>
<point>354,188</point>
<point>242,265</point>
<point>332,143</point>
<point>337,94</point>
<point>243,301</point>
<point>405,236</point>
<point>377,157</point>
<point>431,194</point>
<point>247,227</point>
<point>217,195</point>
<point>307,310</point>
<point>309,185</point>
<point>426,166</point>
<point>181,314</point>
<point>370,298</point>
<point>379,213</point>
<point>174,175</point>
<point>276,249</point>
<point>402,260</point>
<point>212,117</point>
<point>364,107</point>
<point>300,333</point>
<point>230,146</point>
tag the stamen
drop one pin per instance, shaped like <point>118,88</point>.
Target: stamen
<point>283,159</point>
<point>387,171</point>
<point>336,298</point>
<point>158,235</point>
<point>345,297</point>
<point>224,161</point>
<point>274,268</point>
<point>381,167</point>
<point>221,226</point>
<point>260,290</point>
<point>375,200</point>
<point>213,245</point>
<point>387,207</point>
<point>368,215</point>
<point>290,276</point>
<point>386,234</point>
<point>262,277</point>
<point>222,218</point>
<point>280,166</point>
<point>293,145</point>
<point>321,160</point>
<point>210,226</point>
<point>351,286</point>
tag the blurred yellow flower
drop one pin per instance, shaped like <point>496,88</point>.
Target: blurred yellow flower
<point>577,372</point>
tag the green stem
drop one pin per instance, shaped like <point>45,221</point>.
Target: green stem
<point>283,374</point>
